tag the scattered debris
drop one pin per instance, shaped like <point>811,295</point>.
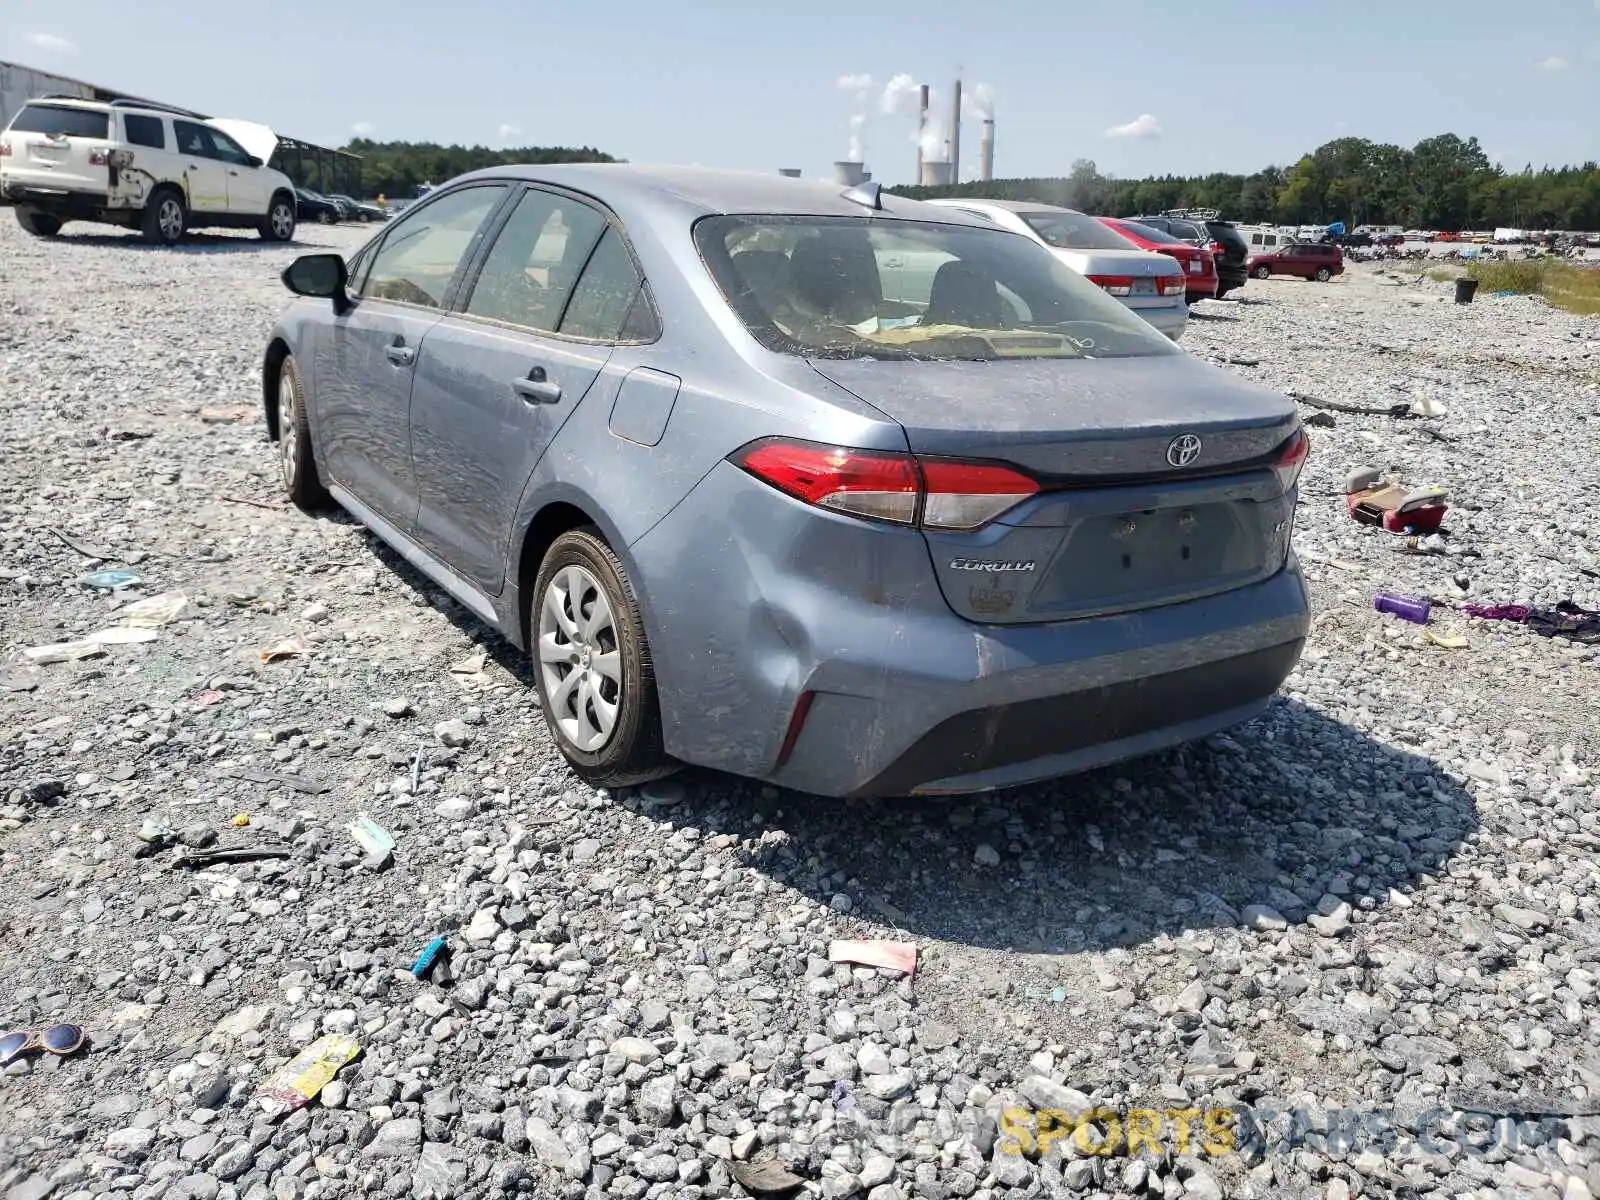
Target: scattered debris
<point>471,665</point>
<point>374,839</point>
<point>210,415</point>
<point>289,648</point>
<point>110,580</point>
<point>1449,641</point>
<point>306,784</point>
<point>87,549</point>
<point>1320,420</point>
<point>152,612</point>
<point>1404,607</point>
<point>59,652</point>
<point>240,820</point>
<point>268,505</point>
<point>297,1082</point>
<point>1371,501</point>
<point>220,854</point>
<point>892,956</point>
<point>429,956</point>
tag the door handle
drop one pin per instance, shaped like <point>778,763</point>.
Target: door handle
<point>400,354</point>
<point>536,387</point>
<point>233,172</point>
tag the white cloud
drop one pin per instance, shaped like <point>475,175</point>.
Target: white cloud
<point>1554,63</point>
<point>509,131</point>
<point>54,43</point>
<point>362,129</point>
<point>854,83</point>
<point>1142,126</point>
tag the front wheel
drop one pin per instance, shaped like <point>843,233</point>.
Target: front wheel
<point>278,224</point>
<point>300,479</point>
<point>1262,272</point>
<point>1323,274</point>
<point>37,223</point>
<point>597,684</point>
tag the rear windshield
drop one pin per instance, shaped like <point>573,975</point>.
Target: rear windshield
<point>58,119</point>
<point>1151,234</point>
<point>1072,231</point>
<point>853,287</point>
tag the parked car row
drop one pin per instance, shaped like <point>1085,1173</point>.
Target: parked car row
<point>329,210</point>
<point>850,493</point>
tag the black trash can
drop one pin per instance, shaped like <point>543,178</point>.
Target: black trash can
<point>1465,289</point>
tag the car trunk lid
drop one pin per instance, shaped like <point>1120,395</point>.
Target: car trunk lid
<point>1156,474</point>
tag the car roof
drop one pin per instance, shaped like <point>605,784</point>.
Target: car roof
<point>1016,206</point>
<point>708,190</point>
<point>66,102</point>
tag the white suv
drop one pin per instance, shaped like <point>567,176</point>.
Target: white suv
<point>129,164</point>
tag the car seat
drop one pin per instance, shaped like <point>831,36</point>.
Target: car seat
<point>963,294</point>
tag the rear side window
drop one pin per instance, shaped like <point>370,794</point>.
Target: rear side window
<point>58,119</point>
<point>144,131</point>
<point>532,269</point>
<point>605,292</point>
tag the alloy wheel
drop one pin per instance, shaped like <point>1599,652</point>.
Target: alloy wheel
<point>169,217</point>
<point>282,222</point>
<point>580,663</point>
<point>288,427</point>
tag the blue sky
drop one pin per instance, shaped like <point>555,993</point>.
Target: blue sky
<point>1227,85</point>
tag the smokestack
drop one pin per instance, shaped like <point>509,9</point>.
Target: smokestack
<point>789,172</point>
<point>849,174</point>
<point>935,173</point>
<point>986,150</point>
<point>922,128</point>
<point>955,132</point>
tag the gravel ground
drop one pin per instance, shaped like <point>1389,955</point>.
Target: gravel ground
<point>1372,912</point>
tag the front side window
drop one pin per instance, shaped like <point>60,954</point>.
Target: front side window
<point>1072,231</point>
<point>60,120</point>
<point>530,272</point>
<point>144,131</point>
<point>228,150</point>
<point>848,287</point>
<point>194,139</point>
<point>423,250</point>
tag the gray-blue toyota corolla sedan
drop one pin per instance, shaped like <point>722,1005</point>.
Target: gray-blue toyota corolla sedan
<point>834,489</point>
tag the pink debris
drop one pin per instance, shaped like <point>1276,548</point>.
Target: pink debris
<point>894,956</point>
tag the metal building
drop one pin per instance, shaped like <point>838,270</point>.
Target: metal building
<point>318,168</point>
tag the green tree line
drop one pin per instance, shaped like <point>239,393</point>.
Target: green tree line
<point>396,168</point>
<point>1440,183</point>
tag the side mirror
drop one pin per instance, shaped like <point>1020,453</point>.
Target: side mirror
<point>253,161</point>
<point>319,275</point>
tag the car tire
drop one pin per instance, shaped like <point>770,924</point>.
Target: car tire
<point>301,482</point>
<point>1262,272</point>
<point>37,223</point>
<point>1323,274</point>
<point>165,218</point>
<point>583,611</point>
<point>278,225</point>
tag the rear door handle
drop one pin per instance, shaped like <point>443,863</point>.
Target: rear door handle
<point>536,387</point>
<point>400,354</point>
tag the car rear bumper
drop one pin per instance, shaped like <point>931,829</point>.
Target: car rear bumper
<point>753,601</point>
<point>1169,319</point>
<point>65,203</point>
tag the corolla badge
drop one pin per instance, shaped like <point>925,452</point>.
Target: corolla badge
<point>1183,449</point>
<point>990,565</point>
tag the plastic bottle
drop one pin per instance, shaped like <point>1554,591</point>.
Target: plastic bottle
<point>1404,607</point>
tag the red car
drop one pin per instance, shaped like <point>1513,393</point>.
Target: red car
<point>1320,261</point>
<point>1199,267</point>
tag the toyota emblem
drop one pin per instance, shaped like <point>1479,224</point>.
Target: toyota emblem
<point>1183,449</point>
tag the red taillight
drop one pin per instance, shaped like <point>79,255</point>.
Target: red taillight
<point>935,493</point>
<point>863,483</point>
<point>1217,249</point>
<point>5,148</point>
<point>1167,285</point>
<point>1292,458</point>
<point>1114,285</point>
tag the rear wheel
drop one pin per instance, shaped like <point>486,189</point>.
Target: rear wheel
<point>300,478</point>
<point>597,683</point>
<point>165,218</point>
<point>1323,274</point>
<point>37,223</point>
<point>1262,272</point>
